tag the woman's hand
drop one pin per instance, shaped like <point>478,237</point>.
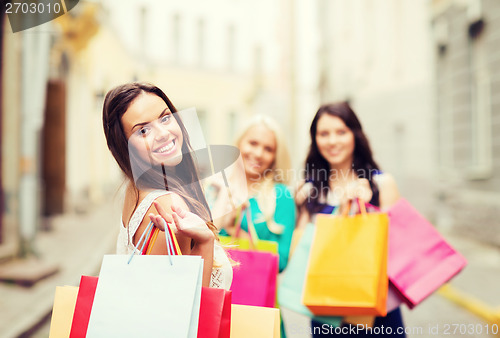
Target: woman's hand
<point>358,189</point>
<point>187,223</point>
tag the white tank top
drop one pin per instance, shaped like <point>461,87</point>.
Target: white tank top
<point>222,273</point>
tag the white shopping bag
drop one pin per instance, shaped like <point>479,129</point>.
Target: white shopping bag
<point>152,296</point>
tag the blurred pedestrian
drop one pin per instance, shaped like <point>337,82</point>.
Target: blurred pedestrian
<point>270,204</point>
<point>270,207</point>
<point>149,142</point>
<point>339,167</point>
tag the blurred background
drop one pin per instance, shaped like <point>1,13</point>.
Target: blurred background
<point>422,75</point>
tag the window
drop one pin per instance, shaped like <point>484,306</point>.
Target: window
<point>480,112</point>
<point>445,121</point>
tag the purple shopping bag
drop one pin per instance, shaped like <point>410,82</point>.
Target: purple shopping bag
<point>255,278</point>
<point>420,259</point>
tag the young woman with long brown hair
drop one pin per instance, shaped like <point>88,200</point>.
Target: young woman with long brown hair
<point>339,167</point>
<point>149,142</point>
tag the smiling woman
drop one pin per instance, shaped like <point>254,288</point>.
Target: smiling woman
<point>258,149</point>
<point>149,142</point>
<point>270,208</point>
<point>339,167</point>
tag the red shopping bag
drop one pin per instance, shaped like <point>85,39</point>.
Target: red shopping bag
<point>254,280</point>
<point>215,313</point>
<point>420,259</point>
<point>83,307</point>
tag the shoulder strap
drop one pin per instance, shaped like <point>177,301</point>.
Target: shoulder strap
<point>141,210</point>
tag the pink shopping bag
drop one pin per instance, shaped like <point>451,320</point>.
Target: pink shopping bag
<point>420,259</point>
<point>255,278</point>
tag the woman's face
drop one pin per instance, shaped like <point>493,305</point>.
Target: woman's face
<point>258,150</point>
<point>152,130</point>
<point>335,141</point>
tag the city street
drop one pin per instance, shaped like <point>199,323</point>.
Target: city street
<point>329,99</point>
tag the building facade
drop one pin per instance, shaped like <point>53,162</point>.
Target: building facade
<point>467,59</point>
<point>377,55</point>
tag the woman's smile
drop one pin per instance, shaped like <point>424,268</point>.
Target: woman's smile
<point>166,149</point>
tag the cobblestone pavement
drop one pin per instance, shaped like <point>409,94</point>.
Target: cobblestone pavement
<point>76,244</point>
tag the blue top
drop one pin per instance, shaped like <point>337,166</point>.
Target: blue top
<point>283,215</point>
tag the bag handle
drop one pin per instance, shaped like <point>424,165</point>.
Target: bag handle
<point>252,232</point>
<point>238,219</point>
<point>148,229</point>
<point>361,207</point>
<point>170,240</point>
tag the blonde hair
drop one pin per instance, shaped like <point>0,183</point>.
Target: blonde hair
<point>276,173</point>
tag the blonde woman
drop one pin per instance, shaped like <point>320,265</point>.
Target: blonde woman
<point>270,203</point>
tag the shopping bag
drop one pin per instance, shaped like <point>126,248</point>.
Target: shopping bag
<point>254,321</point>
<point>420,259</point>
<point>147,296</point>
<point>292,281</point>
<point>155,297</point>
<point>255,278</point>
<point>215,313</point>
<point>160,294</point>
<point>62,311</point>
<point>347,267</point>
<point>83,307</point>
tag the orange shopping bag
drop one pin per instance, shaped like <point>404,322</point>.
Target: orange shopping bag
<point>347,268</point>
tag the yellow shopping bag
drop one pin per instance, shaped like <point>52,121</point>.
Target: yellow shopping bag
<point>254,321</point>
<point>347,268</point>
<point>62,311</point>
